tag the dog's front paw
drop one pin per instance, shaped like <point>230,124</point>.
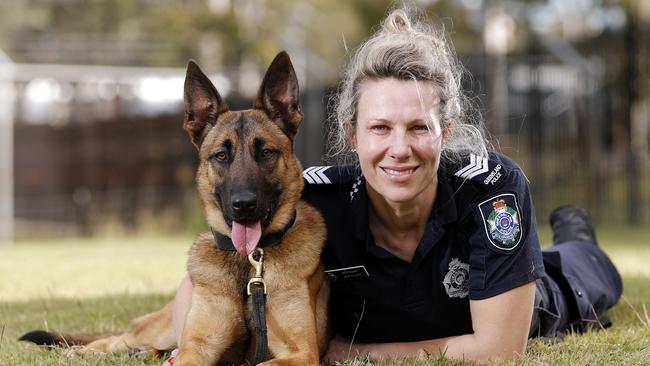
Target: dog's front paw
<point>188,358</point>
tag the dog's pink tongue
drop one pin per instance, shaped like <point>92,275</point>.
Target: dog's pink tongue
<point>245,236</point>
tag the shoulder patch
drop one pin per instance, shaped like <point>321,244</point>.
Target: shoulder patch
<point>502,221</point>
<point>482,170</point>
<point>316,175</point>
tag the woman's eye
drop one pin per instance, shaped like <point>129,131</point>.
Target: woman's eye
<point>379,129</point>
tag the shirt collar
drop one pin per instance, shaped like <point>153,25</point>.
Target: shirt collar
<point>443,213</point>
<point>359,202</point>
<point>444,208</point>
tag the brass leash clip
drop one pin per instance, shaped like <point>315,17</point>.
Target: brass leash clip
<point>259,266</point>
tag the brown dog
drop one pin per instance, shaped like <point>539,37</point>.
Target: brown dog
<point>249,183</point>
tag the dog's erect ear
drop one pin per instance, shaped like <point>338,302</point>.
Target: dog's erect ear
<point>203,104</point>
<point>279,96</point>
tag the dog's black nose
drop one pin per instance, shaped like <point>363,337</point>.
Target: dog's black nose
<point>244,204</point>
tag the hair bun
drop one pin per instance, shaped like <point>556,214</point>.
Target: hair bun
<point>397,22</point>
<point>406,47</point>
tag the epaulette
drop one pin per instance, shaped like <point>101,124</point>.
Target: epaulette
<point>316,175</point>
<point>486,172</point>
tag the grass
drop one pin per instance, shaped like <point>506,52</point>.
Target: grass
<point>99,285</point>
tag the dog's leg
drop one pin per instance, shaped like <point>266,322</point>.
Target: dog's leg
<point>292,329</point>
<point>214,323</point>
<point>319,288</point>
<point>152,331</point>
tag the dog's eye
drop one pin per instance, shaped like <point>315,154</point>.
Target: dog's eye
<point>221,156</point>
<point>267,153</point>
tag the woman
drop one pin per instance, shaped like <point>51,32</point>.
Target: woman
<point>440,234</point>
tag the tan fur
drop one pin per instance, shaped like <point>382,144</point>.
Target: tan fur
<point>296,304</point>
<point>218,329</point>
<point>151,332</point>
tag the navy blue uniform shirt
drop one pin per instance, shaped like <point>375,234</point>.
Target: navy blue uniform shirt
<point>480,241</point>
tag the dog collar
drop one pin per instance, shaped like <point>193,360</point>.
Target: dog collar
<point>225,243</point>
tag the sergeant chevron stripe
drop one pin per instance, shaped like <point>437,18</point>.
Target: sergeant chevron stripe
<point>314,175</point>
<point>477,165</point>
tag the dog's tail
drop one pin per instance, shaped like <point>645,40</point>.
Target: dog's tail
<point>151,332</point>
<point>44,338</point>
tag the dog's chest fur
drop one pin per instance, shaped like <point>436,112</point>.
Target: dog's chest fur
<point>291,261</point>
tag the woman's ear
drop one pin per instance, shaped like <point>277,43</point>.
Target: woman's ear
<point>351,134</point>
<point>445,135</point>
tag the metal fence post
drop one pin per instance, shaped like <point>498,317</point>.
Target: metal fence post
<point>633,170</point>
<point>7,98</point>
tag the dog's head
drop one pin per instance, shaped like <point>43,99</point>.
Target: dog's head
<point>249,179</point>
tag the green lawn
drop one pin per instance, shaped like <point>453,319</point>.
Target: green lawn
<point>101,284</point>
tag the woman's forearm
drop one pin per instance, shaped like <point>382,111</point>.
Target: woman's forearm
<point>467,347</point>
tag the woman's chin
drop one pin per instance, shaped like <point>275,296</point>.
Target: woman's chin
<point>399,195</point>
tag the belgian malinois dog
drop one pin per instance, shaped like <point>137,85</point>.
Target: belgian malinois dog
<point>250,184</point>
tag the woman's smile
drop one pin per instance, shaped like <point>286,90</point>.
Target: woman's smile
<point>400,174</point>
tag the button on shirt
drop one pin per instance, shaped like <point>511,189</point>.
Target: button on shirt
<point>480,241</point>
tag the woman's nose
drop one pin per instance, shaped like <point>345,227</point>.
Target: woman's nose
<point>400,146</point>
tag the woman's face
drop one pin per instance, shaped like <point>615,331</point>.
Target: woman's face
<point>399,152</point>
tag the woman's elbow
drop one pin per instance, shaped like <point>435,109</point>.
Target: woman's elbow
<point>500,349</point>
<point>513,351</point>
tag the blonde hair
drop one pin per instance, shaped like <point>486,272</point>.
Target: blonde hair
<point>407,51</point>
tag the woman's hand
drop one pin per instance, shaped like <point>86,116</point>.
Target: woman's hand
<point>341,349</point>
<point>500,324</point>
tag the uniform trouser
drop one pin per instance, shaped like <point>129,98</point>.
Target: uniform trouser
<point>580,284</point>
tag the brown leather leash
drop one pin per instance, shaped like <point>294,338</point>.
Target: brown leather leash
<point>257,288</point>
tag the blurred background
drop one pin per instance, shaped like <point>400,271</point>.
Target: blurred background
<point>91,141</point>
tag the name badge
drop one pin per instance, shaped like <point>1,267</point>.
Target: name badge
<point>347,273</point>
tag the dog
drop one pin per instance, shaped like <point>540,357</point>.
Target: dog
<point>249,182</point>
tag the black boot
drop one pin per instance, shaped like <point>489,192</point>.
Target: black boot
<point>572,223</point>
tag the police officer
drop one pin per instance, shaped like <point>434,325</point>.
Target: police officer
<point>432,243</point>
<point>479,241</point>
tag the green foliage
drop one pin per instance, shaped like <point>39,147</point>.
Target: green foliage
<point>168,32</point>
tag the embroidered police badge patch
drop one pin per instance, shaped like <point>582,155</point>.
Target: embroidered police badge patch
<point>456,280</point>
<point>502,221</point>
